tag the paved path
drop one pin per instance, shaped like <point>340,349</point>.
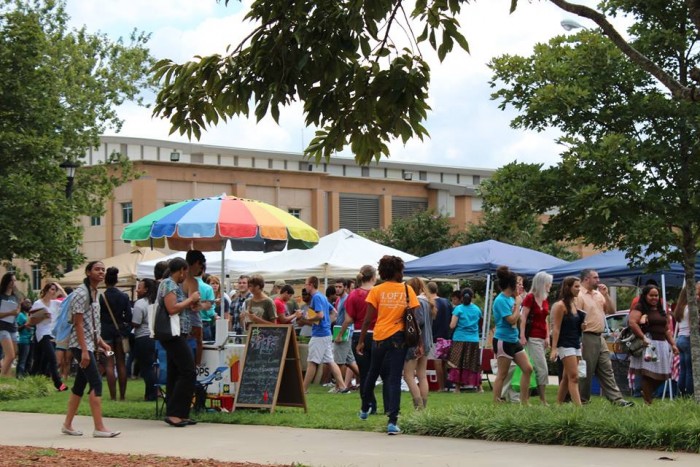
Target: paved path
<point>263,444</point>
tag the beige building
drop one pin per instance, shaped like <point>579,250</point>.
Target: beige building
<point>330,195</point>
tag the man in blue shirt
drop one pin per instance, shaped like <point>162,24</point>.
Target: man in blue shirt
<point>320,348</point>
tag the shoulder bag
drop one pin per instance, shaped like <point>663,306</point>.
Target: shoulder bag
<point>412,329</point>
<point>165,325</point>
<point>631,343</point>
<point>125,340</point>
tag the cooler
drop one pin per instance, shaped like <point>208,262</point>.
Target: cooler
<point>224,351</point>
<point>433,384</point>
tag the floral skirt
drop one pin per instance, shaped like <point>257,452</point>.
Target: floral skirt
<point>464,363</point>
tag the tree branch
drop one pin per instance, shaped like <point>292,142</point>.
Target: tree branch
<point>677,89</point>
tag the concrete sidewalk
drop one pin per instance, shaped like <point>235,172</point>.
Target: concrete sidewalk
<point>263,444</point>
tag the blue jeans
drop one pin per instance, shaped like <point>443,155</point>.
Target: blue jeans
<point>22,359</point>
<point>685,380</point>
<point>392,353</point>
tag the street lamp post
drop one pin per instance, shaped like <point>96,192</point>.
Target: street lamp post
<point>570,24</point>
<point>69,166</point>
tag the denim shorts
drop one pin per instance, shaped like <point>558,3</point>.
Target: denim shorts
<point>13,336</point>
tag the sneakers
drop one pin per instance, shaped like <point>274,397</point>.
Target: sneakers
<point>392,429</point>
<point>624,403</point>
<point>333,390</point>
<point>345,391</point>
<point>363,415</point>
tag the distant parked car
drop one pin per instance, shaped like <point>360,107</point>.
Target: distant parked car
<point>614,324</point>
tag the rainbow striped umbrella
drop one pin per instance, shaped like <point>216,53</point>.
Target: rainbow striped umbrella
<point>206,224</point>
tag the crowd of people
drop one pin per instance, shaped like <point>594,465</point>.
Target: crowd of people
<point>355,331</point>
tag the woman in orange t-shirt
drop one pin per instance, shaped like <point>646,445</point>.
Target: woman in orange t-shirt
<point>387,302</point>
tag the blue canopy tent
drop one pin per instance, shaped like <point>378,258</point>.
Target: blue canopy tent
<point>614,269</point>
<point>479,259</point>
<point>482,259</point>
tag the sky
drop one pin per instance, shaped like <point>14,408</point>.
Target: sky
<point>467,129</point>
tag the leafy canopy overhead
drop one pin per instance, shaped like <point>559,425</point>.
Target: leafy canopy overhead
<point>60,89</point>
<point>356,65</point>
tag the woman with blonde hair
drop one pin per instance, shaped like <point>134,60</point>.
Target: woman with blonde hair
<point>534,328</point>
<point>417,357</point>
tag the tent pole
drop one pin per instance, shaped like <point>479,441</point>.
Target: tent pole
<point>485,327</point>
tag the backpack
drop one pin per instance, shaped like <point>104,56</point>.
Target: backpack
<point>63,327</point>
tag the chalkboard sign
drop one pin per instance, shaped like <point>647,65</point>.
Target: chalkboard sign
<point>270,366</point>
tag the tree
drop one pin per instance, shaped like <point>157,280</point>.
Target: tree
<point>59,91</point>
<point>420,234</point>
<point>630,165</point>
<point>517,228</point>
<point>360,85</point>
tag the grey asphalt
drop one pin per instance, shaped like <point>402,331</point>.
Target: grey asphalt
<point>282,445</point>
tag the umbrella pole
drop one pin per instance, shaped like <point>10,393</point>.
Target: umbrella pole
<point>222,286</point>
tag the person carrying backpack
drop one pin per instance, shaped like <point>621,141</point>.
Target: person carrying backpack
<point>85,341</point>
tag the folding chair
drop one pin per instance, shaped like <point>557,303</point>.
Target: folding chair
<point>160,369</point>
<point>201,387</point>
<point>486,356</point>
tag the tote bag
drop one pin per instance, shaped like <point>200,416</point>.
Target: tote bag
<point>165,325</point>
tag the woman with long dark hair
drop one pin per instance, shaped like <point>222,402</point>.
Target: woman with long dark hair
<point>649,317</point>
<point>115,318</point>
<point>567,326</point>
<point>387,304</point>
<point>85,341</point>
<point>180,361</point>
<point>464,360</point>
<point>144,346</point>
<point>416,365</point>
<point>8,326</point>
<point>506,341</point>
<point>45,354</point>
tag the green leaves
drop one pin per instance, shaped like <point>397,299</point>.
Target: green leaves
<point>358,87</point>
<point>59,94</point>
<point>420,234</point>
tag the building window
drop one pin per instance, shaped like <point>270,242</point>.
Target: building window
<point>365,171</point>
<point>127,213</point>
<point>95,221</point>
<point>296,212</point>
<point>359,214</point>
<point>305,167</point>
<point>36,277</point>
<point>476,180</point>
<point>423,175</point>
<point>269,164</point>
<point>406,207</point>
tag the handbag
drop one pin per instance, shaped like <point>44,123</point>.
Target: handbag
<point>125,340</point>
<point>412,329</point>
<point>165,325</point>
<point>631,343</point>
<point>581,368</point>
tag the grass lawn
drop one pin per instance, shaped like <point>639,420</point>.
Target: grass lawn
<point>665,425</point>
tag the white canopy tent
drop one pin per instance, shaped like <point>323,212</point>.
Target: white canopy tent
<point>234,261</point>
<point>340,254</point>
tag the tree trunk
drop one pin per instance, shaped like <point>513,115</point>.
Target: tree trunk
<point>689,268</point>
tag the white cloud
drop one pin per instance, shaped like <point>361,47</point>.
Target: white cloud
<point>466,127</point>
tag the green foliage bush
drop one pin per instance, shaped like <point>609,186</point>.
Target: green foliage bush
<point>26,388</point>
<point>673,426</point>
